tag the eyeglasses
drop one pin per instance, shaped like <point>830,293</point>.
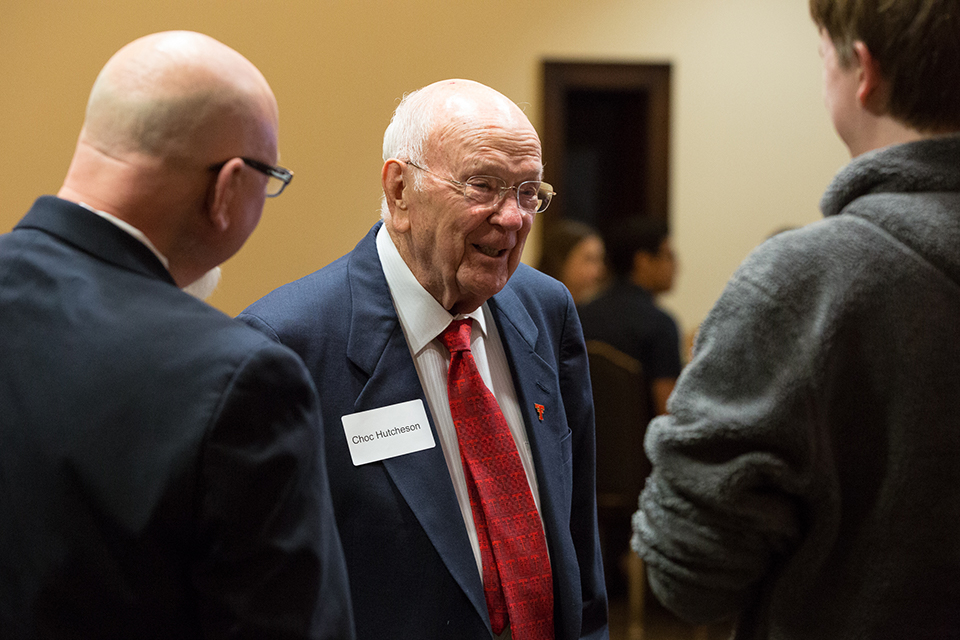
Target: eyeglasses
<point>533,196</point>
<point>278,177</point>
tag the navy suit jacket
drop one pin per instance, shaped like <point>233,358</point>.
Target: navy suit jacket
<point>161,467</point>
<point>412,571</point>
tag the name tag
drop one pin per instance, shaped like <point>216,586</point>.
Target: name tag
<point>387,432</point>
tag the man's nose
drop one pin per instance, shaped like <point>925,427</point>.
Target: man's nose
<point>508,213</point>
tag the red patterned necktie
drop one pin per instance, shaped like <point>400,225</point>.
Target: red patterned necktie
<point>517,581</point>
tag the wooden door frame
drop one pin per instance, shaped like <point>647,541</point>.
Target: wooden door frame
<point>561,76</point>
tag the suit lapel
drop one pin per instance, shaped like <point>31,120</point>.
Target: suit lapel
<point>377,346</point>
<point>538,393</point>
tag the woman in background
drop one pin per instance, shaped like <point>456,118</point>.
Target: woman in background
<point>573,253</point>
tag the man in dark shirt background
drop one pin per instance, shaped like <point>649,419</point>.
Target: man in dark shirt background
<point>626,315</point>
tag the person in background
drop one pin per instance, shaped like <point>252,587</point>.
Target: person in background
<point>806,481</point>
<point>161,464</point>
<point>626,315</point>
<point>573,253</point>
<point>455,392</point>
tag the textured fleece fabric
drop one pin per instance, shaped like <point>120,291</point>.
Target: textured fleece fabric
<point>807,479</point>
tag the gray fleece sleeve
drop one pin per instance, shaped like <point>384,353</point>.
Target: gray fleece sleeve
<point>731,462</point>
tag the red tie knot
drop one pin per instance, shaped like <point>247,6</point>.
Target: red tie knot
<point>456,337</point>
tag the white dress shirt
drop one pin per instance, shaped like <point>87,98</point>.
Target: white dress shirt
<point>423,319</point>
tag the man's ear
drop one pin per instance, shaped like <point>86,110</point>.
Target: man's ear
<point>871,90</point>
<point>394,190</point>
<point>222,194</point>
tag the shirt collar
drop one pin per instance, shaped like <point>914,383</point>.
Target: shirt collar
<point>421,316</point>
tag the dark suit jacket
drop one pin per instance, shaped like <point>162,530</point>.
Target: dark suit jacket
<point>412,572</point>
<point>161,467</point>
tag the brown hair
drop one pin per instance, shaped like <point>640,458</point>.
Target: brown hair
<point>640,233</point>
<point>917,46</point>
<point>559,240</point>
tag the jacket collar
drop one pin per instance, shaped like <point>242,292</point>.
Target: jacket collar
<point>92,234</point>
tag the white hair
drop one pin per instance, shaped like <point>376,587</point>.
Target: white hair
<point>405,138</point>
<point>411,125</point>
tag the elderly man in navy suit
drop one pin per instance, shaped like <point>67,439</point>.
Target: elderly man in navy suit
<point>420,512</point>
<point>161,465</point>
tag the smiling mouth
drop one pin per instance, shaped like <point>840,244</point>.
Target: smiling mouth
<point>489,251</point>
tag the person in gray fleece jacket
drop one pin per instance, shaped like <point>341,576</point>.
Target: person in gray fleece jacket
<point>807,480</point>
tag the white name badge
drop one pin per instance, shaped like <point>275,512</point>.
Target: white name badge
<point>387,432</point>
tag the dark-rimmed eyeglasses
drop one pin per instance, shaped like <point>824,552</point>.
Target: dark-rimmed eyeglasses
<point>278,177</point>
<point>533,196</point>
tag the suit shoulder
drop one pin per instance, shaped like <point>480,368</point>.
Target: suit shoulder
<point>306,296</point>
<point>526,278</point>
<point>224,337</point>
<point>537,289</point>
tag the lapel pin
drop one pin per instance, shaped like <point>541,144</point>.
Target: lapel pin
<point>539,408</point>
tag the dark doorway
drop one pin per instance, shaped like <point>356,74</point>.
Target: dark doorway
<point>606,140</point>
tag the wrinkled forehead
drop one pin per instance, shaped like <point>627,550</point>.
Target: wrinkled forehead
<point>495,130</point>
<point>482,106</point>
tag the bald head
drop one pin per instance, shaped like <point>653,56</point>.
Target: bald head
<point>164,110</point>
<point>174,96</point>
<point>426,113</point>
<point>467,101</point>
<point>429,116</point>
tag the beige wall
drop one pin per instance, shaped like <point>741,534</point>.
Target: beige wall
<point>752,148</point>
